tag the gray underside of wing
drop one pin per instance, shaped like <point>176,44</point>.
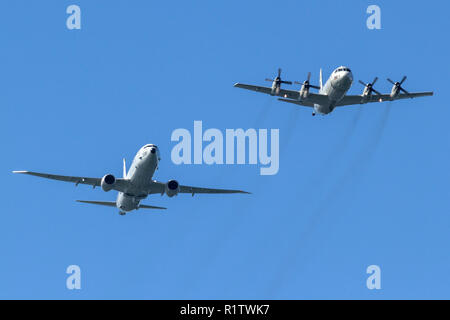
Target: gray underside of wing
<point>82,180</point>
<point>253,88</point>
<point>193,190</point>
<point>290,94</point>
<point>144,206</point>
<point>310,101</point>
<point>299,103</point>
<point>358,99</point>
<point>101,203</point>
<point>160,187</point>
<point>120,184</point>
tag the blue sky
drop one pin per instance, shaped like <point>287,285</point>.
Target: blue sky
<point>361,186</point>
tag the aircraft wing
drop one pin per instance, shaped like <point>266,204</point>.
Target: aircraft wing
<point>160,187</point>
<point>297,102</point>
<point>120,185</point>
<point>310,101</point>
<point>291,94</point>
<point>357,99</point>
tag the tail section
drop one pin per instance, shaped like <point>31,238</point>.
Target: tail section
<point>320,79</point>
<point>124,168</point>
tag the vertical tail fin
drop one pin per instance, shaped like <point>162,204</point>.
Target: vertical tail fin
<point>320,79</point>
<point>124,168</point>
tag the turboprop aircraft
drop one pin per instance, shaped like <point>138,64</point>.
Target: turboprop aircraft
<point>334,93</point>
<point>135,185</point>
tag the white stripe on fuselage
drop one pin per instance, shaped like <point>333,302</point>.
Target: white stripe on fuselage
<point>335,89</point>
<point>140,174</point>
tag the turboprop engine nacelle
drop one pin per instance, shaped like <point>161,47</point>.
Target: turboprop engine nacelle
<point>108,182</point>
<point>172,188</point>
<point>304,92</point>
<point>306,85</point>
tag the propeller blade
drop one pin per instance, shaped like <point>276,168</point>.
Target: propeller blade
<point>286,82</point>
<point>376,92</point>
<point>390,81</point>
<point>296,82</point>
<point>362,83</point>
<point>315,87</point>
<point>271,80</point>
<point>309,76</point>
<point>279,72</point>
<point>403,80</point>
<point>374,80</point>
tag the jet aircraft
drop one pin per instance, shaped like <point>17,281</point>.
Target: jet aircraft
<point>135,185</point>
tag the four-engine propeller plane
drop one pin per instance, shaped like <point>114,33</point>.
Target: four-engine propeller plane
<point>334,93</point>
<point>135,185</point>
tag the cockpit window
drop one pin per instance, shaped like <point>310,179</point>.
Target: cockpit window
<point>343,69</point>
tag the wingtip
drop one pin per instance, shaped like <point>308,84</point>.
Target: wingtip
<point>19,171</point>
<point>236,84</point>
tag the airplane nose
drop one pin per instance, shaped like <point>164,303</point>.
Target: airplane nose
<point>347,79</point>
<point>350,76</point>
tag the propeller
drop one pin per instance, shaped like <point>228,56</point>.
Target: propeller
<point>278,78</point>
<point>306,83</point>
<point>398,85</point>
<point>369,86</point>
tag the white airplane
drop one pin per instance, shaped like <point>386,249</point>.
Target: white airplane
<point>135,185</point>
<point>334,92</point>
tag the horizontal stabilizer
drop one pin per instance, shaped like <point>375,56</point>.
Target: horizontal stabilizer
<point>102,203</point>
<point>113,204</point>
<point>143,206</point>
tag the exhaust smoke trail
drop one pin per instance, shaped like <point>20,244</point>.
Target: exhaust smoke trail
<point>290,129</point>
<point>336,152</point>
<point>262,114</point>
<point>355,168</point>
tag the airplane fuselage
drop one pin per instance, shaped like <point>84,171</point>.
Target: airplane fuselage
<point>335,89</point>
<point>140,174</point>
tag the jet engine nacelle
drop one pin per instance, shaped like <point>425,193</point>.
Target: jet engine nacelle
<point>108,182</point>
<point>172,188</point>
